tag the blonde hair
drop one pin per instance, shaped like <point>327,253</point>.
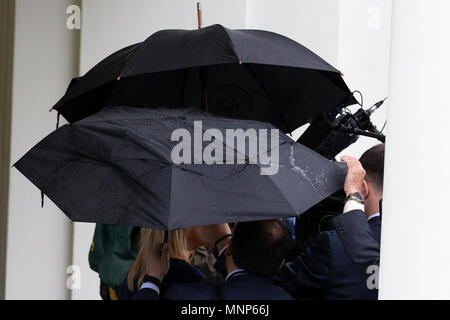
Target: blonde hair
<point>150,239</point>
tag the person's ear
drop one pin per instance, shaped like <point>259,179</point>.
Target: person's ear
<point>365,189</point>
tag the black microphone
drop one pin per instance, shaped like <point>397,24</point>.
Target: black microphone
<point>374,108</point>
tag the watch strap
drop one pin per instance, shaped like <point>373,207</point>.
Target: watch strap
<point>356,196</point>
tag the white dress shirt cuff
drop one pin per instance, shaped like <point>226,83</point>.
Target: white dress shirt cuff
<point>351,205</point>
<point>149,285</point>
<point>373,216</point>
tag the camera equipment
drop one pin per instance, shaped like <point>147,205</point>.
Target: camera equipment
<point>328,135</point>
<point>331,133</point>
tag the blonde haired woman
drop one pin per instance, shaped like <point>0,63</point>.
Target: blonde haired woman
<point>182,243</point>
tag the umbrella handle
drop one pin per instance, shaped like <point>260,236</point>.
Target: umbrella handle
<point>199,15</point>
<point>166,236</point>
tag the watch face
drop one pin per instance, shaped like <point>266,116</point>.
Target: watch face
<point>358,196</point>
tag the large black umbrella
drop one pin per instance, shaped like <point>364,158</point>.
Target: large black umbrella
<point>242,74</point>
<point>116,167</point>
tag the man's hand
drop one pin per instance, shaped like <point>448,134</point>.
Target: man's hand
<point>355,175</point>
<point>157,264</point>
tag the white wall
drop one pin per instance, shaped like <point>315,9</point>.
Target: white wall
<point>39,240</point>
<point>415,257</point>
<point>109,25</point>
<point>313,23</point>
<point>363,56</point>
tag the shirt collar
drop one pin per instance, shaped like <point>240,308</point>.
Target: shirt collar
<point>235,273</point>
<point>373,216</point>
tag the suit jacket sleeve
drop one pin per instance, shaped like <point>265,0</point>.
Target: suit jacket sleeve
<point>175,293</point>
<point>145,294</point>
<point>310,269</point>
<point>355,234</point>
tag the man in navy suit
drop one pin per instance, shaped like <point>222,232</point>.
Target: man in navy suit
<point>327,269</point>
<point>253,256</point>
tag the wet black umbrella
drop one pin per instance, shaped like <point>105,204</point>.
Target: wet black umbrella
<point>86,95</point>
<point>116,167</point>
<point>241,74</point>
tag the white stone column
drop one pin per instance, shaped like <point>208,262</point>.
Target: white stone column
<point>415,255</point>
<point>39,240</point>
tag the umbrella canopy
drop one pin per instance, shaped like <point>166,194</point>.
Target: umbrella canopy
<point>241,74</point>
<point>117,167</point>
<point>86,95</point>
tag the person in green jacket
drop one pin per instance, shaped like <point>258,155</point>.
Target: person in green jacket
<point>112,251</point>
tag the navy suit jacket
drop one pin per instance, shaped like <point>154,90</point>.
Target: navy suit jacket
<point>237,287</point>
<point>326,269</point>
<point>360,242</point>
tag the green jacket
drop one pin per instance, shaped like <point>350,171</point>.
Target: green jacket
<point>113,250</point>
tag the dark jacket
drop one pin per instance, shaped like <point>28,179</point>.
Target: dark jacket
<point>326,269</point>
<point>179,272</point>
<point>360,241</point>
<point>113,250</point>
<point>237,287</point>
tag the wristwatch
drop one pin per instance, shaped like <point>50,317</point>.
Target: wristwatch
<point>355,196</point>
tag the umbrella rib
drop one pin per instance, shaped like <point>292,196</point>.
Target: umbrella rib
<point>284,196</point>
<point>231,42</point>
